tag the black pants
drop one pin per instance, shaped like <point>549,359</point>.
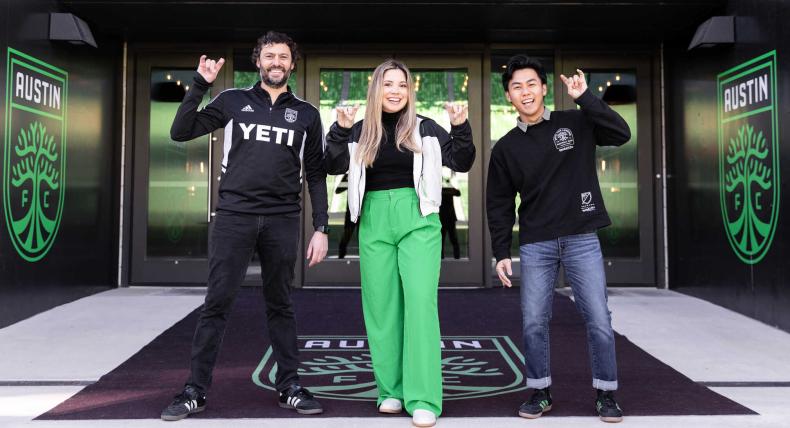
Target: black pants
<point>233,240</point>
<point>449,229</point>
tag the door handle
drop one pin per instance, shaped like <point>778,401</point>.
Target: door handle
<point>210,176</point>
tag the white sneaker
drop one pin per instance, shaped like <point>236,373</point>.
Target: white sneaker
<point>390,405</point>
<point>423,418</point>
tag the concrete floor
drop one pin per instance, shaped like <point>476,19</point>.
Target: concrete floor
<point>51,356</point>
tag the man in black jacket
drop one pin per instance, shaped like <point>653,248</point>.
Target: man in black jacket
<point>549,159</point>
<point>270,137</point>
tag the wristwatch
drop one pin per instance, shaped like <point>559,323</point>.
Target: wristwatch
<point>323,229</point>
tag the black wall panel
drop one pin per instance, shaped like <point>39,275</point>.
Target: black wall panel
<point>83,256</point>
<point>702,261</point>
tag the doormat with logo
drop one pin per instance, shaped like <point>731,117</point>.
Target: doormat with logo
<point>483,365</point>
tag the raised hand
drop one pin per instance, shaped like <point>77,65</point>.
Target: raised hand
<point>208,68</point>
<point>457,113</point>
<point>345,115</point>
<point>576,84</point>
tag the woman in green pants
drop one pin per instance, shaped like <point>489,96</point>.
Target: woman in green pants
<point>394,160</point>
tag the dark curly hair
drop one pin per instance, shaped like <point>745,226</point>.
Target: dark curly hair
<point>518,62</point>
<point>273,37</point>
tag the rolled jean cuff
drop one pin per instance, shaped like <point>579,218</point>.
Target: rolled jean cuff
<point>539,383</point>
<point>603,385</point>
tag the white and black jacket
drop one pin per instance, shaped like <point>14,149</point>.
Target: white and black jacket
<point>437,148</point>
<point>267,145</point>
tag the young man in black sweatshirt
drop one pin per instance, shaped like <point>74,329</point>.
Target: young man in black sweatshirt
<point>549,159</point>
<point>271,136</point>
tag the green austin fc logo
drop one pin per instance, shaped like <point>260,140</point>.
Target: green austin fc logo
<point>34,161</point>
<point>749,156</point>
<point>339,367</point>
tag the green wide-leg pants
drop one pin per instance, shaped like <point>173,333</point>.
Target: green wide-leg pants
<point>400,257</point>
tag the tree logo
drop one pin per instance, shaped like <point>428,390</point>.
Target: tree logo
<point>340,368</point>
<point>749,185</point>
<point>34,153</point>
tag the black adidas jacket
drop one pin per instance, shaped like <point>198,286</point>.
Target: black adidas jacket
<point>552,166</point>
<point>266,147</point>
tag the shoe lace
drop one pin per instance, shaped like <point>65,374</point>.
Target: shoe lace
<point>303,394</point>
<point>185,395</point>
<point>607,400</point>
<point>537,397</point>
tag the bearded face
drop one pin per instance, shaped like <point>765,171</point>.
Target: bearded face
<point>275,76</point>
<point>275,65</point>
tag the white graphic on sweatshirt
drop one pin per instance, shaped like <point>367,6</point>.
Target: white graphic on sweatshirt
<point>587,204</point>
<point>290,115</point>
<point>263,133</point>
<point>563,139</point>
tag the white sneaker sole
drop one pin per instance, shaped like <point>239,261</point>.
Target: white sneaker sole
<point>301,411</point>
<point>612,419</point>
<point>531,416</point>
<point>179,417</point>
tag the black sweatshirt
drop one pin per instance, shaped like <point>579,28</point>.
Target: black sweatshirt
<point>392,168</point>
<point>265,145</point>
<point>552,166</point>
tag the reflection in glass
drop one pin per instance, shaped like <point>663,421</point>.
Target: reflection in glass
<point>341,87</point>
<point>434,88</point>
<point>617,166</point>
<point>503,115</point>
<point>178,175</point>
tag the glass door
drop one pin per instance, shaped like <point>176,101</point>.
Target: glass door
<point>174,182</point>
<point>336,80</point>
<point>625,173</point>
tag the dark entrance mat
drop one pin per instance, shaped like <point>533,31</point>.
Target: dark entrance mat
<point>482,353</point>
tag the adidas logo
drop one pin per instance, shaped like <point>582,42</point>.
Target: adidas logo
<point>248,109</point>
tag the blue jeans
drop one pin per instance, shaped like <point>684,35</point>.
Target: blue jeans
<point>582,260</point>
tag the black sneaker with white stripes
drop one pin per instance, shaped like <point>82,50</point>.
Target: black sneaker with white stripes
<point>189,401</point>
<point>299,399</point>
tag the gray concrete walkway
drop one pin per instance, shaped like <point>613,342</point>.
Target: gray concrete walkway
<point>51,356</point>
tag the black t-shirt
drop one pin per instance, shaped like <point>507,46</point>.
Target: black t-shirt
<point>392,168</point>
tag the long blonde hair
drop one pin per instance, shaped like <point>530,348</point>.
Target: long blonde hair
<point>372,129</point>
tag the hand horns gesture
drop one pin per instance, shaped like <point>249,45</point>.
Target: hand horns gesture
<point>345,115</point>
<point>576,84</point>
<point>457,113</point>
<point>208,68</point>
